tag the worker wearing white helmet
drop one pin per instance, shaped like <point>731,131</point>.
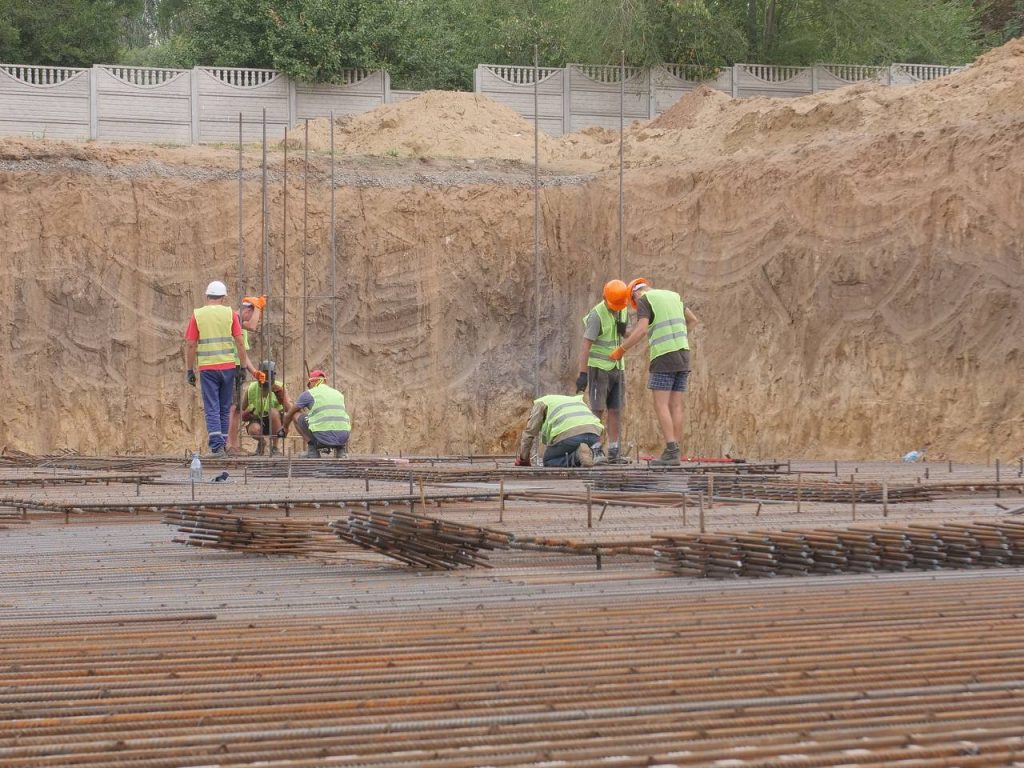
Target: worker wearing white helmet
<point>213,337</point>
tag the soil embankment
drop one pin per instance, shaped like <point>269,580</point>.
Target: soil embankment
<point>855,259</point>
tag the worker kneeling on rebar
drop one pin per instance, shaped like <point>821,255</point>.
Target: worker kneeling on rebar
<point>263,408</point>
<point>569,429</point>
<point>327,425</point>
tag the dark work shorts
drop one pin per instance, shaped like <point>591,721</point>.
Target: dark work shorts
<point>677,381</point>
<point>605,389</point>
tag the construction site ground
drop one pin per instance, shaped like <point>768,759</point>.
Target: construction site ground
<point>121,646</point>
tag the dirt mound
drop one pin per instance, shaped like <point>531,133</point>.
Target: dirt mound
<point>684,113</point>
<point>435,124</point>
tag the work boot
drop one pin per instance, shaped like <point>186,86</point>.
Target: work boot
<point>599,457</point>
<point>313,452</point>
<point>584,456</point>
<point>341,453</point>
<point>220,453</point>
<point>669,457</point>
<point>261,446</point>
<point>614,457</point>
<point>273,450</point>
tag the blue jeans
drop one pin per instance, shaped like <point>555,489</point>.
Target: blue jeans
<point>217,386</point>
<point>562,453</point>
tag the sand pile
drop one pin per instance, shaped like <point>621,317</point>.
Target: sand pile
<point>435,124</point>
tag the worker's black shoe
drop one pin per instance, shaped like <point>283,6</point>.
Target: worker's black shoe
<point>273,450</point>
<point>313,452</point>
<point>669,457</point>
<point>614,457</point>
<point>340,453</point>
<point>260,446</point>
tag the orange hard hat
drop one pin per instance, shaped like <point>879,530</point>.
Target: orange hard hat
<point>616,294</point>
<point>633,284</point>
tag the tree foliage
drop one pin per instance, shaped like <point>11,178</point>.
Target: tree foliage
<point>64,32</point>
<point>437,43</point>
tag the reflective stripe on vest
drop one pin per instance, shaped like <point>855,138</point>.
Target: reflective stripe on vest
<point>328,412</point>
<point>259,404</point>
<point>607,341</point>
<point>668,331</point>
<point>565,413</point>
<point>215,343</point>
<point>245,343</point>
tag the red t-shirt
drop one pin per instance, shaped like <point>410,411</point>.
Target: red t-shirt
<point>192,334</point>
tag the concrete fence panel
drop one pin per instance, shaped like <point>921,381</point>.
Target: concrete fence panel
<point>829,77</point>
<point>769,80</point>
<point>908,74</point>
<point>51,102</point>
<point>595,92</point>
<point>360,91</point>
<point>397,97</point>
<point>670,82</point>
<point>224,92</point>
<point>514,87</point>
<point>143,104</point>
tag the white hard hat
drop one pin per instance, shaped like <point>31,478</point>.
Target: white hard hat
<point>216,288</point>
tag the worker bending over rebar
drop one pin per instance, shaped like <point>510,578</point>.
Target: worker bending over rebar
<point>664,319</point>
<point>569,429</point>
<point>325,424</point>
<point>263,408</point>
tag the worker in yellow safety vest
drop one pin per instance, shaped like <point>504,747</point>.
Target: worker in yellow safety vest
<point>212,338</point>
<point>666,321</point>
<point>569,430</point>
<point>601,377</point>
<point>263,408</point>
<point>250,313</point>
<point>326,423</point>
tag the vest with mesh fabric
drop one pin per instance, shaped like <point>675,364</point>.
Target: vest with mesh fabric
<point>565,413</point>
<point>216,346</point>
<point>328,414</point>
<point>609,339</point>
<point>668,331</point>
<point>259,403</point>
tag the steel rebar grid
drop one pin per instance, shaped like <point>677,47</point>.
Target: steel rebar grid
<point>865,674</point>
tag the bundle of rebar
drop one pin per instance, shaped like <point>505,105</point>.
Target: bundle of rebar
<point>988,544</point>
<point>420,541</point>
<point>217,530</point>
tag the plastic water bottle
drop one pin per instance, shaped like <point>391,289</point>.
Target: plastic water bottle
<point>195,469</point>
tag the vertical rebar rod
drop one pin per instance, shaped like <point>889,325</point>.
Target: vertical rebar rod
<point>284,263</point>
<point>622,156</point>
<point>266,242</point>
<point>334,275</point>
<point>536,222</point>
<point>241,240</point>
<point>305,238</point>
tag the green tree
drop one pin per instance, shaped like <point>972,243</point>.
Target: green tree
<point>64,32</point>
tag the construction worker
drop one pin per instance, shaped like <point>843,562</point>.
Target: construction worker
<point>250,312</point>
<point>603,329</point>
<point>327,424</point>
<point>263,408</point>
<point>665,320</point>
<point>213,336</point>
<point>569,429</point>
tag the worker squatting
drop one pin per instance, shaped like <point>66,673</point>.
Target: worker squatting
<point>571,430</point>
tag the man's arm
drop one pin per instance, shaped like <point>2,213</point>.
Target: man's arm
<point>289,416</point>
<point>190,354</point>
<point>638,332</point>
<point>691,319</point>
<point>533,425</point>
<point>245,400</point>
<point>283,399</point>
<point>584,355</point>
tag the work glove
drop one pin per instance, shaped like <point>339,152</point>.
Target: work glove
<point>581,381</point>
<point>260,376</point>
<point>282,433</point>
<point>522,462</point>
<point>191,377</point>
<point>617,354</point>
